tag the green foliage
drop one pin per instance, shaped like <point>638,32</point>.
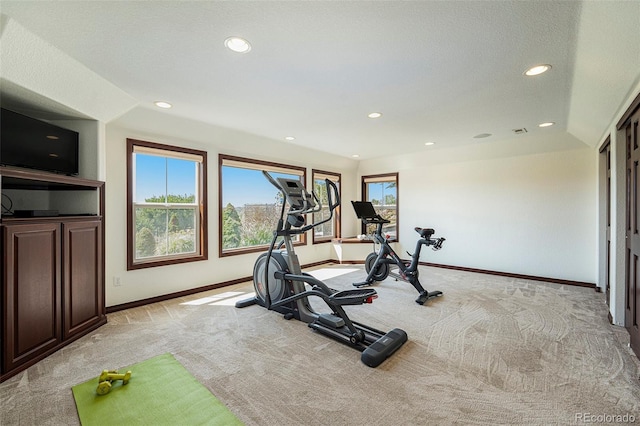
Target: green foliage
<point>158,219</point>
<point>174,199</point>
<point>252,226</point>
<point>174,224</point>
<point>161,230</point>
<point>182,241</point>
<point>258,223</point>
<point>257,237</point>
<point>390,200</point>
<point>231,227</point>
<point>145,243</point>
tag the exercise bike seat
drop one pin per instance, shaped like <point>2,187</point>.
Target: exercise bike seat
<point>353,297</point>
<point>425,232</point>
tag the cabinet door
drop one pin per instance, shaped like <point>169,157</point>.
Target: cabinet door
<point>83,276</point>
<point>31,292</point>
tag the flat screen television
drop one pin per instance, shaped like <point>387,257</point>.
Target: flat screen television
<point>35,144</point>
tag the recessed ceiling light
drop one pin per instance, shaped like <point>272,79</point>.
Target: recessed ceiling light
<point>375,115</point>
<point>237,44</point>
<point>355,156</point>
<point>429,143</point>
<point>547,124</point>
<point>162,104</point>
<point>289,138</point>
<point>537,70</point>
<point>53,137</point>
<point>482,135</point>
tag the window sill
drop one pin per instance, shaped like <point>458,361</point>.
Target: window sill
<point>356,240</point>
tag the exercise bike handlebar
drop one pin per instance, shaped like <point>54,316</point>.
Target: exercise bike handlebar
<point>435,242</point>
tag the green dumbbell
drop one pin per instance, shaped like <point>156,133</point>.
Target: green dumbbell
<point>107,377</point>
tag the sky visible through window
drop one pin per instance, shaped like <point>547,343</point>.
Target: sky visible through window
<point>157,176</point>
<point>381,191</point>
<point>246,186</point>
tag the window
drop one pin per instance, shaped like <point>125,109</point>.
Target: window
<point>382,191</point>
<point>250,206</point>
<point>331,229</point>
<point>166,204</point>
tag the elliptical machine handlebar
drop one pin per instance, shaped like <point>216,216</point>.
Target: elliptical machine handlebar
<point>301,202</point>
<point>329,183</point>
<point>331,187</point>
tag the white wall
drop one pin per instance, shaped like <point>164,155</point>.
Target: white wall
<point>153,126</point>
<point>531,214</point>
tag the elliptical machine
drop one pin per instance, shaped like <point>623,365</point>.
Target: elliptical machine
<point>378,263</point>
<point>280,284</point>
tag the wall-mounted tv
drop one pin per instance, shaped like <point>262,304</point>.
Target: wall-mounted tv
<point>35,144</point>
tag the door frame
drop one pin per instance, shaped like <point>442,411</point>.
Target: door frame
<point>627,133</point>
<point>605,183</point>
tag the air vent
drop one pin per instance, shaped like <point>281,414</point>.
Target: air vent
<point>519,131</point>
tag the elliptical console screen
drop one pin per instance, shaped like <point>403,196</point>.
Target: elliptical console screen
<point>295,193</point>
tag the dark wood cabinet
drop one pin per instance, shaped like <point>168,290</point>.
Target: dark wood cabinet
<point>52,272</point>
<point>82,276</point>
<point>32,292</point>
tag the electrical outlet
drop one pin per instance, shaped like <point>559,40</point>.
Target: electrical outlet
<point>116,281</point>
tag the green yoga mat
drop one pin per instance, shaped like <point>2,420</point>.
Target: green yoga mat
<point>160,392</point>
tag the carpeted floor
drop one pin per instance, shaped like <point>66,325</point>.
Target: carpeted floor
<point>492,350</point>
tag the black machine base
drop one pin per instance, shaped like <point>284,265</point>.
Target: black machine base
<point>383,348</point>
<point>246,302</point>
<point>376,346</point>
<point>426,295</point>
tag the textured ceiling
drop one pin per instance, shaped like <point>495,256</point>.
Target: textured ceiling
<point>439,71</point>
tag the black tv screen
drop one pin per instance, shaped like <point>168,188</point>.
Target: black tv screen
<point>35,144</point>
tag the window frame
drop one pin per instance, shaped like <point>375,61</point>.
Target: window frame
<point>336,213</point>
<point>201,208</point>
<point>262,165</point>
<point>380,177</point>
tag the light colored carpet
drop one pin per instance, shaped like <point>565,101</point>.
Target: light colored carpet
<point>492,350</point>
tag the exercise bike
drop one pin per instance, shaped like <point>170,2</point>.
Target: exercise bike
<point>280,285</point>
<point>379,263</point>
